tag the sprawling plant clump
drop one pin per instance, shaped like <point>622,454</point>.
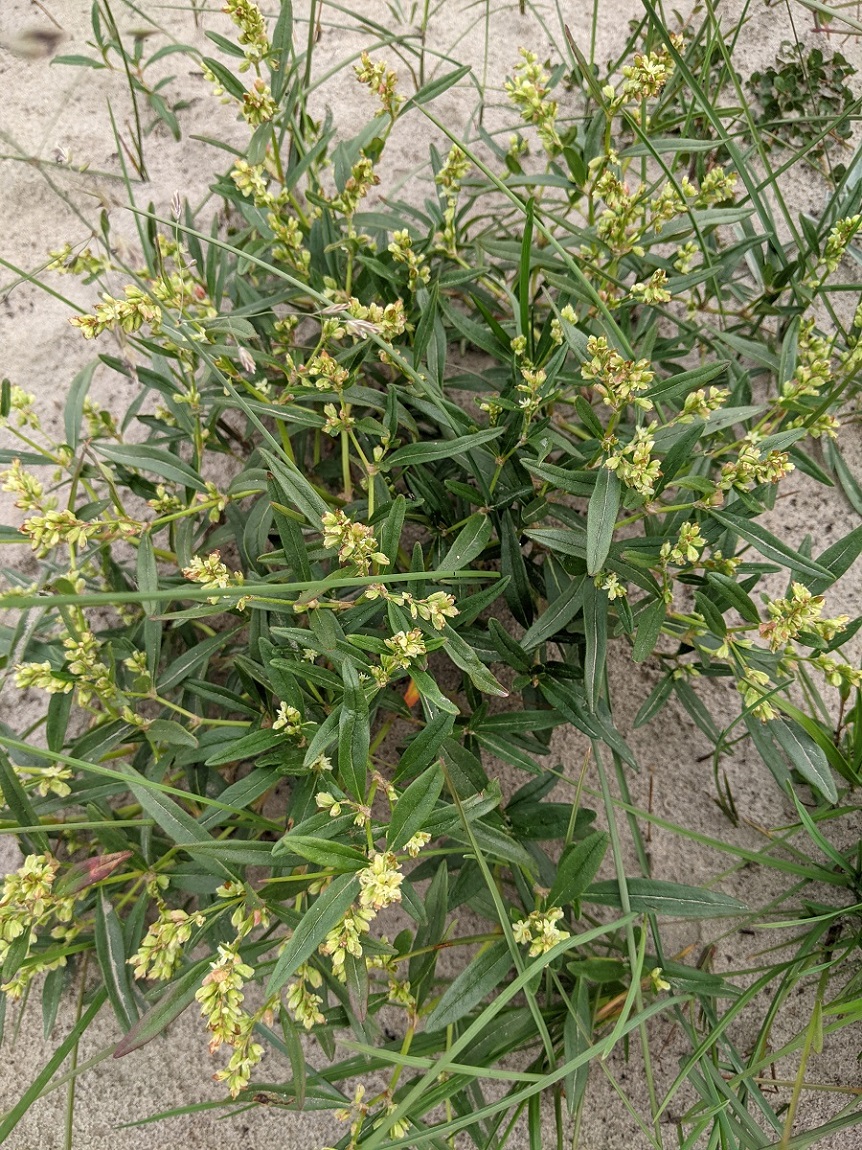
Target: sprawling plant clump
<point>384,466</point>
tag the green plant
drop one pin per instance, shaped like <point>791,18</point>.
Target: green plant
<point>306,529</point>
<point>805,102</point>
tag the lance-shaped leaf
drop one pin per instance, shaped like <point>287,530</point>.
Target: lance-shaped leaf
<point>601,518</point>
<point>324,914</point>
<point>479,978</point>
<point>413,808</point>
<point>669,898</point>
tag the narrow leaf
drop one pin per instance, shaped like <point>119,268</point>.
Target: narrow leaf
<point>324,914</point>
<point>601,519</point>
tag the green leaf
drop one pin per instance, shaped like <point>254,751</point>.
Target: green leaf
<point>652,896</point>
<point>390,534</point>
<point>739,599</point>
<point>170,732</point>
<point>354,735</point>
<point>224,76</point>
<point>471,541</point>
<point>178,825</point>
<point>481,977</point>
<point>414,806</point>
<point>770,547</point>
<point>192,660</point>
<point>324,914</point>
<point>595,637</point>
<point>74,409</point>
<point>111,954</point>
<point>20,807</point>
<point>324,852</point>
<point>577,1035</point>
<point>805,755</point>
<point>578,867</point>
<point>439,449</point>
<point>525,327</point>
<point>581,483</point>
<point>357,982</point>
<point>512,564</point>
<point>142,457</point>
<point>557,616</point>
<point>298,492</point>
<point>650,621</point>
<point>247,747</point>
<point>838,559</point>
<point>179,995</point>
<point>422,750</point>
<point>282,48</point>
<point>427,687</point>
<point>463,656</point>
<point>602,518</point>
<point>677,386</point>
<point>435,88</point>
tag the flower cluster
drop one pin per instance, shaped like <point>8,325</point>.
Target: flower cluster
<point>716,187</point>
<point>325,372</point>
<point>288,720</point>
<point>258,106</point>
<point>356,542</point>
<point>688,547</point>
<point>68,262</point>
<point>379,884</point>
<point>837,674</point>
<point>435,609</point>
<point>246,15</point>
<point>644,78</point>
<point>800,611</point>
<point>839,239</point>
<point>702,403</point>
<point>528,91</point>
<point>404,646</point>
<point>382,81</point>
<point>42,676</point>
<point>21,402</point>
<point>94,678</point>
<point>346,938</point>
<point>532,381</point>
<point>161,949</point>
<point>753,686</point>
<point>813,371</point>
<point>48,530</point>
<point>25,898</point>
<point>609,581</point>
<point>540,930</point>
<point>302,1002</point>
<point>450,178</point>
<point>360,182</point>
<point>220,997</point>
<point>387,321</point>
<point>211,573</point>
<point>619,381</point>
<point>634,463</point>
<point>402,252</point>
<point>653,291</point>
<point>752,467</point>
<point>127,314</point>
<point>28,901</point>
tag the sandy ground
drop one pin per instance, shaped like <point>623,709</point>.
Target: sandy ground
<point>50,112</point>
